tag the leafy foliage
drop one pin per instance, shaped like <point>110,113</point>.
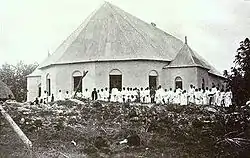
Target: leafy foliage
<point>150,131</point>
<point>239,78</point>
<point>15,77</point>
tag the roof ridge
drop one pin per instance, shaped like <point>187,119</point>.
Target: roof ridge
<point>111,7</point>
<point>191,52</point>
<point>136,29</point>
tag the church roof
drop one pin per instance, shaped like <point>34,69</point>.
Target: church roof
<point>110,33</point>
<point>186,57</point>
<point>36,73</point>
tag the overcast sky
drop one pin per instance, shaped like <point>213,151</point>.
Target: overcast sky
<point>31,28</point>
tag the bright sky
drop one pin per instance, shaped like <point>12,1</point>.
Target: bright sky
<point>31,28</point>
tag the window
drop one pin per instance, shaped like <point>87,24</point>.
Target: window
<point>48,84</point>
<point>39,90</point>
<point>77,81</point>
<point>115,79</point>
<point>203,84</point>
<point>178,82</point>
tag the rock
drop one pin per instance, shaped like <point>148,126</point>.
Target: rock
<point>100,142</point>
<point>134,140</point>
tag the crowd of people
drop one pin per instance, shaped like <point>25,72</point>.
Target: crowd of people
<point>198,96</point>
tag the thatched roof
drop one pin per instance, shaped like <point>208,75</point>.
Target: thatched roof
<point>113,34</point>
<point>5,91</point>
<point>36,73</point>
<point>188,58</point>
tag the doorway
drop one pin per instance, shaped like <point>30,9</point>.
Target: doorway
<point>153,79</point>
<point>115,79</point>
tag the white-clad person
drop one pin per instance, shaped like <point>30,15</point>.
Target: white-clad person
<point>171,96</point>
<point>217,96</point>
<point>178,91</point>
<point>184,98</point>
<point>67,95</point>
<point>101,95</point>
<point>166,97</point>
<point>205,99</point>
<point>220,101</point>
<point>119,96</point>
<point>60,95</point>
<point>147,95</point>
<point>113,97</point>
<point>106,94</point>
<point>191,94</point>
<point>123,93</point>
<point>214,90</point>
<point>142,95</point>
<point>159,95</point>
<point>87,94</point>
<point>228,98</point>
<point>196,97</point>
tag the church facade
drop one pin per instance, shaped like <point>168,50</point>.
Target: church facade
<point>120,50</point>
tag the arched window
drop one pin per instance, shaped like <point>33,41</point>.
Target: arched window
<point>39,90</point>
<point>178,82</point>
<point>115,79</point>
<point>48,84</point>
<point>153,79</point>
<point>77,80</point>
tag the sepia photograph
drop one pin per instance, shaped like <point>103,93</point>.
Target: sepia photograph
<point>124,79</point>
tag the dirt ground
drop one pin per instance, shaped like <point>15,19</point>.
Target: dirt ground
<point>97,129</point>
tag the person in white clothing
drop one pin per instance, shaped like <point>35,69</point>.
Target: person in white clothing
<point>205,98</point>
<point>159,95</point>
<point>79,94</point>
<point>147,95</point>
<point>171,96</point>
<point>45,97</point>
<point>214,90</point>
<point>197,97</point>
<point>60,95</point>
<point>101,95</point>
<point>142,95</point>
<point>191,94</point>
<point>123,93</point>
<point>119,97</point>
<point>228,98</point>
<point>67,95</point>
<point>114,92</point>
<point>166,97</point>
<point>106,94</point>
<point>184,100</point>
<point>86,94</point>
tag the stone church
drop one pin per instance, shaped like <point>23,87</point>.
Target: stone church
<point>120,50</point>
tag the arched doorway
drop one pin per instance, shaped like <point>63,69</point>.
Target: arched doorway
<point>39,90</point>
<point>203,84</point>
<point>115,79</point>
<point>178,82</point>
<point>77,80</point>
<point>153,79</point>
<point>48,84</point>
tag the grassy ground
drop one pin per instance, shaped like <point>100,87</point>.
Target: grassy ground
<point>94,129</point>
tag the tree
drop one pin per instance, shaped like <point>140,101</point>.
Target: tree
<point>15,77</point>
<point>239,78</point>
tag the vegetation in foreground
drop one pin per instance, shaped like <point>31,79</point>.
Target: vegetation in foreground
<point>97,129</point>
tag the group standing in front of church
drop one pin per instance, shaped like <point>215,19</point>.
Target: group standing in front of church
<point>197,96</point>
